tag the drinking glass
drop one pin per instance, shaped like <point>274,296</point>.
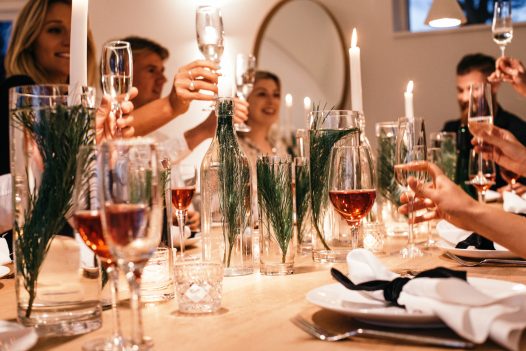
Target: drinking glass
<point>434,155</point>
<point>209,30</point>
<point>87,222</point>
<point>447,143</point>
<point>352,188</point>
<point>502,28</point>
<point>183,180</point>
<point>410,148</point>
<point>481,174</point>
<point>480,109</point>
<point>117,73</point>
<point>245,77</point>
<point>131,214</point>
<point>510,177</point>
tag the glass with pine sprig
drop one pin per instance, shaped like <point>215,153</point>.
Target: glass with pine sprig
<point>328,128</point>
<point>225,198</point>
<point>57,280</point>
<point>274,175</point>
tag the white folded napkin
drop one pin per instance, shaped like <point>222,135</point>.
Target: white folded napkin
<point>473,314</point>
<point>5,258</point>
<point>492,195</point>
<point>15,337</point>
<point>454,234</point>
<point>513,203</point>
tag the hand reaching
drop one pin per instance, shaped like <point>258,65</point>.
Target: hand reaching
<point>106,125</point>
<point>512,71</point>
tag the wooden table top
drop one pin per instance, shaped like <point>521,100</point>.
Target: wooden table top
<point>257,309</point>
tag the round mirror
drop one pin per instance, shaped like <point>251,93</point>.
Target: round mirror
<point>301,42</point>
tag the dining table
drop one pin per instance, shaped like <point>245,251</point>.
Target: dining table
<point>257,309</point>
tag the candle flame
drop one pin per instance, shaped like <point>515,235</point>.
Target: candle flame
<point>410,86</point>
<point>354,38</point>
<point>307,103</point>
<point>288,100</point>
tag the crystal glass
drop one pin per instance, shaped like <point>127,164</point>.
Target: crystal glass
<point>510,177</point>
<point>447,143</point>
<point>326,130</point>
<point>209,31</point>
<point>502,27</point>
<point>274,176</point>
<point>245,78</point>
<point>480,109</point>
<point>87,222</point>
<point>57,292</point>
<point>410,148</point>
<point>131,214</point>
<point>303,205</point>
<point>183,181</point>
<point>352,189</point>
<point>481,174</point>
<point>117,73</point>
<point>434,155</point>
<point>157,279</point>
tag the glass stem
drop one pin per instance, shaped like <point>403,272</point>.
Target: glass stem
<point>134,281</point>
<point>410,234</point>
<point>482,196</point>
<point>113,273</point>
<point>355,234</point>
<point>181,220</point>
<point>502,50</point>
<point>117,113</point>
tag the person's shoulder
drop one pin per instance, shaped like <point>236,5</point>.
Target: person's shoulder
<point>451,125</point>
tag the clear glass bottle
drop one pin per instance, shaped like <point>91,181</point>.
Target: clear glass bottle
<point>225,191</point>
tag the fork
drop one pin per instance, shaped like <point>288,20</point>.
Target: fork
<point>325,335</point>
<point>486,261</point>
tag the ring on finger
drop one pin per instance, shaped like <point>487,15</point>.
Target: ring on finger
<point>191,86</point>
<point>190,74</point>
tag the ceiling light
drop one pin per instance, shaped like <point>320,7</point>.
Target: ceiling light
<point>444,14</point>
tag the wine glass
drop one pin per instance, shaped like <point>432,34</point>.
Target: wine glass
<point>117,73</point>
<point>510,177</point>
<point>183,181</point>
<point>410,149</point>
<point>352,185</point>
<point>502,28</point>
<point>245,77</point>
<point>130,192</point>
<point>209,30</point>
<point>480,109</point>
<point>481,174</point>
<point>434,155</point>
<point>87,222</point>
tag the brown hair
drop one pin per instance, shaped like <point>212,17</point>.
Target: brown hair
<point>20,54</point>
<point>139,44</point>
<point>268,75</point>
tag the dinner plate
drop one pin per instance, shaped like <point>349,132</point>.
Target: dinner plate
<point>14,336</point>
<point>475,253</point>
<point>4,271</point>
<point>337,298</point>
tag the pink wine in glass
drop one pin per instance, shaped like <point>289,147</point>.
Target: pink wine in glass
<point>126,222</point>
<point>89,226</point>
<point>353,205</point>
<point>182,197</point>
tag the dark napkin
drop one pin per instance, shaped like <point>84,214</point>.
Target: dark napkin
<point>477,241</point>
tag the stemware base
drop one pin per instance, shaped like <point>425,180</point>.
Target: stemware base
<point>276,269</point>
<point>107,344</point>
<point>330,256</point>
<point>411,251</point>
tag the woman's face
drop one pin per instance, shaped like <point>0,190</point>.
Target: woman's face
<point>52,45</point>
<point>264,102</point>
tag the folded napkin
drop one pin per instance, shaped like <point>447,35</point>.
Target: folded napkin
<point>454,235</point>
<point>471,313</point>
<point>5,258</point>
<point>15,337</point>
<point>513,203</point>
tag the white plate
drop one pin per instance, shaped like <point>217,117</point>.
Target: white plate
<point>14,336</point>
<point>492,195</point>
<point>474,253</point>
<point>337,298</point>
<point>4,271</point>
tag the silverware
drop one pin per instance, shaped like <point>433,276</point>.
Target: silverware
<point>487,261</point>
<point>325,335</point>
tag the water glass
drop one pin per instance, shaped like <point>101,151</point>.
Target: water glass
<point>199,286</point>
<point>157,277</point>
<point>447,143</point>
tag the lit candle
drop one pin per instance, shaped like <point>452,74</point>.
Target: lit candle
<point>288,115</point>
<point>210,35</point>
<point>78,57</point>
<point>408,99</point>
<point>307,105</point>
<point>356,75</point>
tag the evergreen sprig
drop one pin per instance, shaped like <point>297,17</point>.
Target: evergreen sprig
<point>234,181</point>
<point>303,202</point>
<point>387,185</point>
<point>321,143</point>
<point>58,133</point>
<point>275,201</point>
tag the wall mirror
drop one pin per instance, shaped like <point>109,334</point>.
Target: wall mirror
<point>301,41</point>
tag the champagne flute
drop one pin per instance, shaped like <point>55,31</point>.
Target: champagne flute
<point>245,78</point>
<point>130,192</point>
<point>502,28</point>
<point>434,155</point>
<point>410,149</point>
<point>86,219</point>
<point>480,109</point>
<point>117,73</point>
<point>352,185</point>
<point>510,177</point>
<point>481,174</point>
<point>183,181</point>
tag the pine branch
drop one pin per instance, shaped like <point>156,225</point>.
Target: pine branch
<point>302,199</point>
<point>387,185</point>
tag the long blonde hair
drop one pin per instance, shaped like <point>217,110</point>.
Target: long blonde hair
<point>20,58</point>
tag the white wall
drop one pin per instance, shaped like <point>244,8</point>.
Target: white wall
<point>388,60</point>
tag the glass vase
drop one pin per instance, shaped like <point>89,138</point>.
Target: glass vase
<point>225,198</point>
<point>274,175</point>
<point>327,129</point>
<point>58,279</point>
<point>304,227</point>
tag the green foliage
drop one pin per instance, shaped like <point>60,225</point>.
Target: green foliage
<point>275,201</point>
<point>58,133</point>
<point>387,185</point>
<point>302,199</point>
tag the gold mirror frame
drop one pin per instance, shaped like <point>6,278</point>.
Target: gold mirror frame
<point>345,56</point>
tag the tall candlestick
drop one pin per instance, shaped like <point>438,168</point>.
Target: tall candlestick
<point>408,99</point>
<point>356,74</point>
<point>78,44</point>
<point>288,116</point>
